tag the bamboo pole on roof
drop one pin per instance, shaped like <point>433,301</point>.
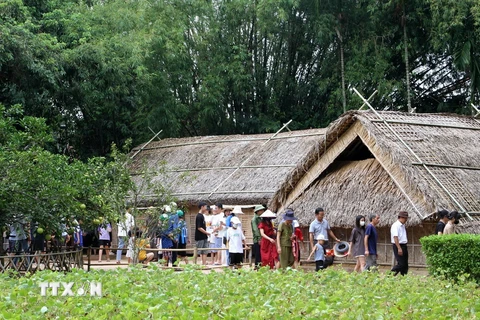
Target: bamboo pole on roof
<point>424,124</point>
<point>234,140</point>
<point>415,155</point>
<point>248,159</point>
<point>229,168</point>
<point>446,166</point>
<point>369,98</point>
<point>143,147</point>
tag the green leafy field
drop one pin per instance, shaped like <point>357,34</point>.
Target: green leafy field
<point>160,294</point>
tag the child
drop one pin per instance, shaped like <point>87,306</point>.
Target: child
<point>319,253</point>
<point>296,242</point>
<point>236,241</point>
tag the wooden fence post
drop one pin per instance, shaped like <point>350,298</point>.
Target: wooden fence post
<point>89,251</point>
<point>195,255</point>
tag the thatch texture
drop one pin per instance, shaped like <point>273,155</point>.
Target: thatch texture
<point>433,139</point>
<point>353,188</point>
<point>195,167</point>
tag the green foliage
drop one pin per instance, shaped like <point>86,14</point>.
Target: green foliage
<point>136,293</point>
<point>455,256</point>
<point>51,189</point>
<point>114,70</point>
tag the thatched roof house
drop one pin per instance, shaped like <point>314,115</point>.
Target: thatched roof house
<point>386,162</point>
<point>234,169</point>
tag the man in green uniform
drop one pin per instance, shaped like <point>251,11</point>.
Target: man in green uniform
<point>284,239</point>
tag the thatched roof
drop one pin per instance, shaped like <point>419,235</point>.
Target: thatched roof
<point>234,169</point>
<point>429,162</point>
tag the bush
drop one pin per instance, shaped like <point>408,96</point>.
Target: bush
<point>454,256</point>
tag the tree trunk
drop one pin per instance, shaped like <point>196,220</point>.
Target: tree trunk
<point>409,99</point>
<point>342,70</point>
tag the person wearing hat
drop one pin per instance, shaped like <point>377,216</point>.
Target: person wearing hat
<point>236,241</point>
<point>398,236</point>
<point>296,243</point>
<point>319,252</point>
<point>285,236</point>
<point>268,248</point>
<point>443,215</point>
<point>225,222</point>
<point>257,211</point>
<point>182,238</point>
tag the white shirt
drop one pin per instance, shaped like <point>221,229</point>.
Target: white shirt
<point>234,238</point>
<point>216,222</point>
<point>222,233</point>
<point>208,224</point>
<point>125,225</point>
<point>398,230</point>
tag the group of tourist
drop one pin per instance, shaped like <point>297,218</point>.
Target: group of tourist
<point>219,232</point>
<point>273,246</point>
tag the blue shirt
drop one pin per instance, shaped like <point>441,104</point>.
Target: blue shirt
<point>319,253</point>
<point>371,232</point>
<point>167,242</point>
<point>317,227</point>
<point>228,220</point>
<point>183,234</point>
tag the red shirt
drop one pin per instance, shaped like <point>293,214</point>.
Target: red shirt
<point>267,228</point>
<point>299,234</point>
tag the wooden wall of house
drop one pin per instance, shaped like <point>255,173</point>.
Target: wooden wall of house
<point>245,218</point>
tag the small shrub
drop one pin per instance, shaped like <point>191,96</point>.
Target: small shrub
<point>455,256</point>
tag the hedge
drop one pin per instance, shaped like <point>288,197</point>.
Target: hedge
<point>455,256</point>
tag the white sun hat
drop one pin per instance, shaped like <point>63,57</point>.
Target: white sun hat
<point>237,210</point>
<point>235,220</point>
<point>268,214</point>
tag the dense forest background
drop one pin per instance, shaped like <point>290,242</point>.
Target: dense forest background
<point>104,71</point>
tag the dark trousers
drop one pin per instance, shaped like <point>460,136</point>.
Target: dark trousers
<point>174,253</point>
<point>402,261</point>
<point>319,265</point>
<point>257,254</point>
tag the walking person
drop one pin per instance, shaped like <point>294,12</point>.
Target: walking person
<point>268,248</point>
<point>370,242</point>
<point>257,237</point>
<point>319,252</point>
<point>183,239</point>
<point>357,243</point>
<point>236,242</point>
<point>124,225</point>
<point>285,236</point>
<point>443,215</point>
<point>104,241</point>
<point>201,234</point>
<point>296,242</point>
<point>320,226</point>
<point>223,232</point>
<point>398,237</point>
<point>452,221</point>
